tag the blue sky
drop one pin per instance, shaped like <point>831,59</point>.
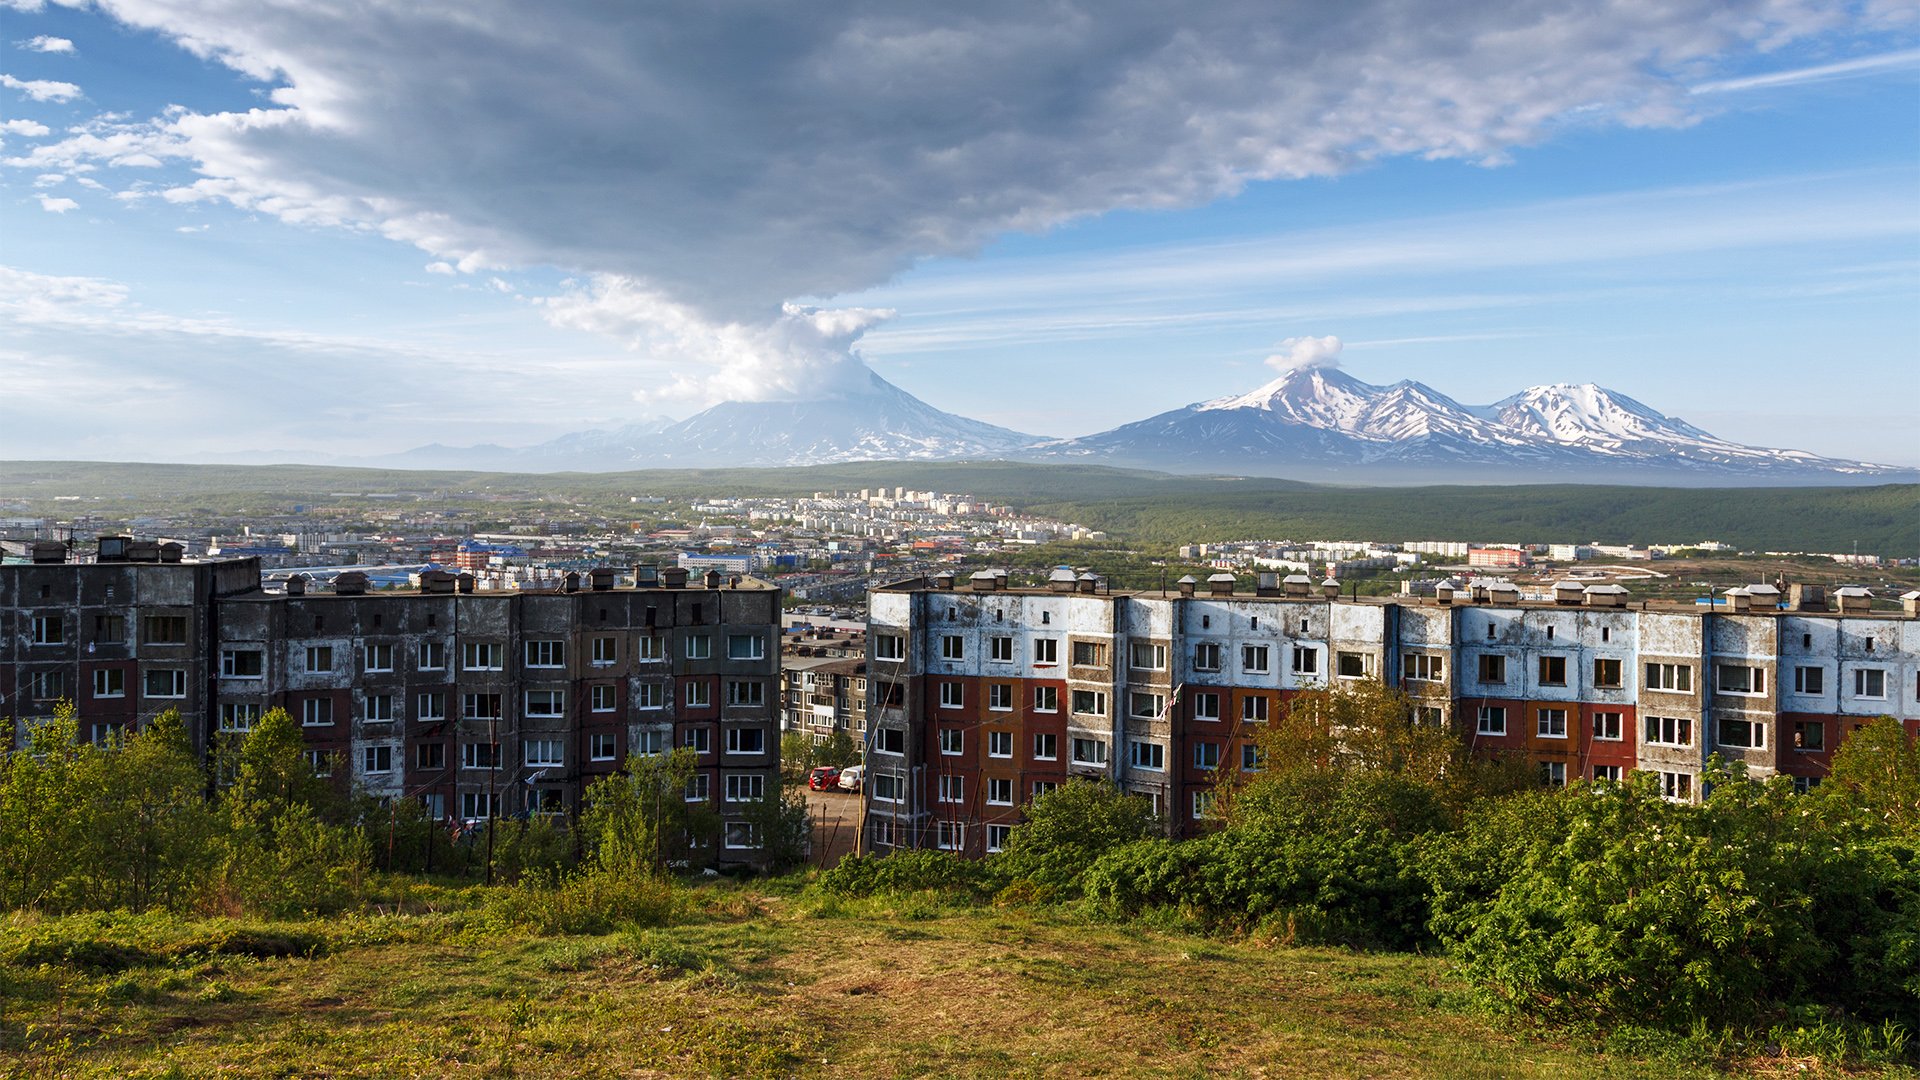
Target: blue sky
<point>228,232</point>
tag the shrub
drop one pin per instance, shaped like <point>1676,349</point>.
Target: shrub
<point>1070,827</point>
<point>909,871</point>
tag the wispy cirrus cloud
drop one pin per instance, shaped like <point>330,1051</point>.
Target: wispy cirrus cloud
<point>1859,67</point>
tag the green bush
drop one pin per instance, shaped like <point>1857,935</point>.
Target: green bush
<point>1070,827</point>
<point>910,871</point>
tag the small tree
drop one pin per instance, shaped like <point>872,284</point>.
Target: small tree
<point>1071,826</point>
<point>640,822</point>
<point>1877,771</point>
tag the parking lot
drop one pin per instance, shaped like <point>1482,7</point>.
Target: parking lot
<point>836,824</point>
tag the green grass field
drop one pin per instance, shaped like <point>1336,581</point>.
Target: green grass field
<point>751,981</point>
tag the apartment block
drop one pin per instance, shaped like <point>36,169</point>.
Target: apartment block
<point>981,697</point>
<point>478,704</point>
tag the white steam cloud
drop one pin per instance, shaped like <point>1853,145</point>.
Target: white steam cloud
<point>1306,354</point>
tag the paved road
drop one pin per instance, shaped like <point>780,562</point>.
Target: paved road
<point>836,824</point>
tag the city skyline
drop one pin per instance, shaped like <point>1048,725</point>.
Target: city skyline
<point>297,233</point>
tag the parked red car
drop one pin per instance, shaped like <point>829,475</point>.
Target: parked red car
<point>823,778</point>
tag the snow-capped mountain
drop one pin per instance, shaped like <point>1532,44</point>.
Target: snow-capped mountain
<point>1321,423</point>
<point>880,422</point>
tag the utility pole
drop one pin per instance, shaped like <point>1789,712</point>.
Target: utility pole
<point>493,737</point>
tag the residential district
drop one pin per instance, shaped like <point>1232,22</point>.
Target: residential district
<point>493,674</point>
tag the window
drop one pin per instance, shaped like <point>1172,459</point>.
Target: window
<point>746,692</point>
<point>1606,674</point>
<point>1206,656</point>
<point>544,752</point>
<point>697,788</point>
<point>319,658</point>
<point>953,695</point>
<point>1607,772</point>
<point>1253,710</point>
<point>999,650</point>
<point>165,683</point>
<point>239,715</point>
<point>1000,696</point>
<point>746,647</point>
<point>1146,755</point>
<point>1306,661</point>
<point>431,755</point>
<point>606,651</point>
<point>376,759</point>
<point>1092,702</point>
<point>1046,747</point>
<point>1740,679</point>
<point>953,789</point>
<point>997,837</point>
<point>650,649</point>
<point>1870,682</point>
<point>478,805</point>
<point>1206,706</point>
<point>165,630</point>
<point>1432,716</point>
<point>110,629</point>
<point>699,695</point>
<point>889,647</point>
<point>1493,720</point>
<point>1089,752</point>
<point>1206,755</point>
<point>745,787</point>
<point>890,740</point>
<point>1809,680</point>
<point>1353,665</point>
<point>952,741</point>
<point>1253,659</point>
<point>546,703</point>
<point>1046,650</point>
<point>603,698</point>
<point>1147,706</point>
<point>951,835</point>
<point>316,712</point>
<point>953,647</point>
<point>1804,784</point>
<point>1089,653</point>
<point>1552,724</point>
<point>1809,735</point>
<point>649,741</point>
<point>546,654</point>
<point>1669,730</point>
<point>1493,668</point>
<point>1203,802</point>
<point>1046,699</point>
<point>433,656</point>
<point>480,706</point>
<point>379,708</point>
<point>699,740</point>
<point>1607,726</point>
<point>746,741</point>
<point>699,647</point>
<point>1553,774</point>
<point>1677,786</point>
<point>1748,733</point>
<point>999,744</point>
<point>999,791</point>
<point>1249,758</point>
<point>49,630</point>
<point>50,686</point>
<point>1677,678</point>
<point>1425,667</point>
<point>651,695</point>
<point>1147,657</point>
<point>321,762</point>
<point>109,683</point>
<point>1042,787</point>
<point>1553,671</point>
<point>377,657</point>
<point>604,746</point>
<point>480,755</point>
<point>481,655</point>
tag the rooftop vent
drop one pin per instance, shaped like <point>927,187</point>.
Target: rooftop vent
<point>1910,603</point>
<point>171,552</point>
<point>711,579</point>
<point>1854,600</point>
<point>49,551</point>
<point>1267,583</point>
<point>1330,588</point>
<point>1220,584</point>
<point>1443,592</point>
<point>1062,579</point>
<point>143,551</point>
<point>1087,583</point>
<point>112,549</point>
<point>297,585</point>
<point>570,582</point>
<point>1503,592</point>
<point>351,583</point>
<point>984,581</point>
<point>1297,585</point>
<point>464,583</point>
<point>1739,600</point>
<point>438,582</point>
<point>1567,592</point>
<point>1807,597</point>
<point>601,578</point>
<point>673,577</point>
<point>1765,597</point>
<point>943,580</point>
<point>646,576</point>
<point>1606,596</point>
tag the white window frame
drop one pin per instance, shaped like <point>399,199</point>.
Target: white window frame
<point>1046,699</point>
<point>746,647</point>
<point>999,744</point>
<point>952,741</point>
<point>999,791</point>
<point>173,693</point>
<point>1046,746</point>
<point>376,656</point>
<point>953,695</point>
<point>1146,754</point>
<point>744,787</point>
<point>603,746</point>
<point>1097,756</point>
<point>1546,721</point>
<point>1491,721</point>
<point>553,704</point>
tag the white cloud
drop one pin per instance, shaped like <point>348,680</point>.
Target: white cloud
<point>1306,354</point>
<point>191,228</point>
<point>46,44</point>
<point>54,205</point>
<point>41,89</point>
<point>720,162</point>
<point>1845,69</point>
<point>30,128</point>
